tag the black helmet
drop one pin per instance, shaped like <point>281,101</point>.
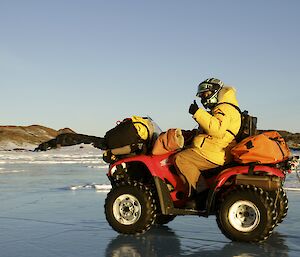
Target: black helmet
<point>208,92</point>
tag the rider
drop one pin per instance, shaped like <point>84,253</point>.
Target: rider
<point>211,147</point>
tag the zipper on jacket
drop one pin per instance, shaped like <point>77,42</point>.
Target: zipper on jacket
<point>202,142</point>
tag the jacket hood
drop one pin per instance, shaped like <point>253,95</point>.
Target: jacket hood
<point>227,94</point>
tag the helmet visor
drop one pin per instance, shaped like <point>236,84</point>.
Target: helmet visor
<point>205,94</point>
<point>203,89</point>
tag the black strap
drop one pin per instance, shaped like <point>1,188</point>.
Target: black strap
<point>251,169</point>
<point>278,143</point>
<point>239,110</point>
<point>234,135</point>
<point>249,145</point>
<point>233,105</point>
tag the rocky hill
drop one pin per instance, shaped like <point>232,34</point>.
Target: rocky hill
<point>27,137</point>
<point>68,139</point>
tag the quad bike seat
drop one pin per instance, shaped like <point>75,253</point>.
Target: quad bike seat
<point>215,171</point>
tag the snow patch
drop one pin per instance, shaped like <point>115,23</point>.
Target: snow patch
<point>82,154</point>
<point>9,146</point>
<point>98,187</point>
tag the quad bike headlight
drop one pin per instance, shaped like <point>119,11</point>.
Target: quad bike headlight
<point>118,171</point>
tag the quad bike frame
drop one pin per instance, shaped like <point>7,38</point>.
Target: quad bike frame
<point>170,189</point>
<point>248,200</point>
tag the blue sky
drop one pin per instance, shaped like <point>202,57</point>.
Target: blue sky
<point>86,64</point>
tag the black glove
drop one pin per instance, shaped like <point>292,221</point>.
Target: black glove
<point>108,157</point>
<point>193,108</point>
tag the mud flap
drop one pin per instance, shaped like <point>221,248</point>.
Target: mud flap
<point>210,201</point>
<point>166,203</point>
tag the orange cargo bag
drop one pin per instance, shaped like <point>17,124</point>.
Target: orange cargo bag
<point>265,148</point>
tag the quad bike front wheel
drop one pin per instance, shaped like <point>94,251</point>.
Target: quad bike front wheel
<point>247,214</point>
<point>130,208</point>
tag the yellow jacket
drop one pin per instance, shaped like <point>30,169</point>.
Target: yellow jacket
<point>218,139</point>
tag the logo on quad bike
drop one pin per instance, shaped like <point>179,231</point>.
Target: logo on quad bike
<point>165,162</point>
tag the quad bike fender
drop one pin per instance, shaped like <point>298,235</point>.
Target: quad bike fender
<point>242,174</point>
<point>151,167</point>
<point>269,178</point>
<point>155,166</point>
<point>154,163</point>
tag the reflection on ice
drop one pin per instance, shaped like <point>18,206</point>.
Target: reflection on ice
<point>163,241</point>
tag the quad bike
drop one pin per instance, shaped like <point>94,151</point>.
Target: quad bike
<point>247,200</point>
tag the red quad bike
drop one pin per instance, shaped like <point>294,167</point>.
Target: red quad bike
<point>247,200</point>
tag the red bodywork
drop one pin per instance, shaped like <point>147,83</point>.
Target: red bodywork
<point>159,166</point>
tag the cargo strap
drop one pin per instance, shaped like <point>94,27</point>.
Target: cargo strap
<point>278,143</point>
<point>251,169</point>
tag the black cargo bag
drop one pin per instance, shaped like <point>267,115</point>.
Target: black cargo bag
<point>121,135</point>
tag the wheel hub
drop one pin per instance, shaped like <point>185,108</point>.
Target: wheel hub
<point>244,216</point>
<point>127,209</point>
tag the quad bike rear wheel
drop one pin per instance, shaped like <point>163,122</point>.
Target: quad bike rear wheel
<point>247,214</point>
<point>130,208</point>
<point>281,203</point>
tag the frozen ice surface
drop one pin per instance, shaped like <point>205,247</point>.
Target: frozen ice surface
<point>41,216</point>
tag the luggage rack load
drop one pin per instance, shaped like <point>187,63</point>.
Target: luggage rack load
<point>130,136</point>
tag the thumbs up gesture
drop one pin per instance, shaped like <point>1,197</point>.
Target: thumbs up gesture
<point>193,108</point>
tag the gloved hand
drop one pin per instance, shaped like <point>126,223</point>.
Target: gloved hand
<point>193,108</point>
<point>108,157</point>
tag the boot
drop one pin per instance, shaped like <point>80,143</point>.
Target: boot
<point>197,201</point>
